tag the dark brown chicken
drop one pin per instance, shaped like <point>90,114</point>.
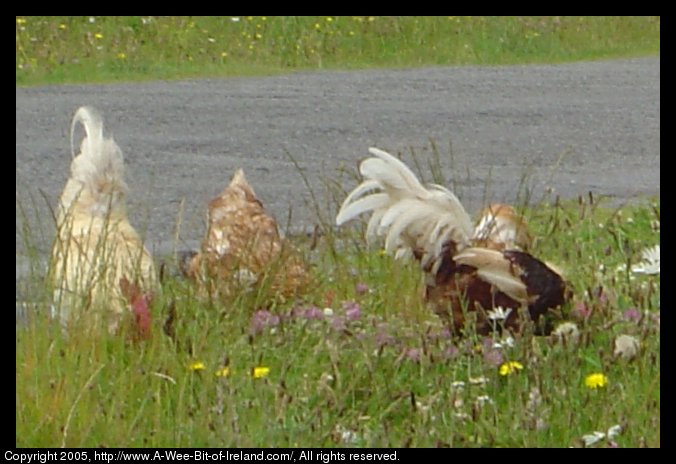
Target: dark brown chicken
<point>480,270</point>
<point>243,248</point>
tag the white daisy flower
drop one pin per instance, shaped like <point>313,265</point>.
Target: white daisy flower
<point>651,262</point>
<point>499,313</point>
<point>593,438</point>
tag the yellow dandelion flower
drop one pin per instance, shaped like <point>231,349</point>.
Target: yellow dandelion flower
<point>197,366</point>
<point>317,26</point>
<point>260,372</point>
<point>371,19</point>
<point>596,380</point>
<point>351,33</point>
<point>98,35</point>
<point>20,21</point>
<point>258,36</point>
<point>62,26</point>
<point>510,367</point>
<point>224,54</point>
<point>264,18</point>
<point>121,56</point>
<point>329,19</point>
<point>223,372</point>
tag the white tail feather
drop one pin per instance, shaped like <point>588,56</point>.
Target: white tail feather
<point>96,185</point>
<point>409,215</point>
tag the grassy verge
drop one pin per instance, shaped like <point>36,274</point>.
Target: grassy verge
<point>361,362</point>
<point>93,49</point>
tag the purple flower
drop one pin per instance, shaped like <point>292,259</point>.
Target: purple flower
<point>451,352</point>
<point>361,288</point>
<point>383,337</point>
<point>632,314</point>
<point>310,313</point>
<point>493,357</point>
<point>413,354</point>
<point>338,323</point>
<point>262,319</point>
<point>352,310</point>
<point>580,311</point>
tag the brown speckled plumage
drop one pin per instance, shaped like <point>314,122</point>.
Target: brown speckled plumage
<point>243,247</point>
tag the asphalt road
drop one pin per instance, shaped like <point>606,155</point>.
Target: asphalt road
<point>573,128</point>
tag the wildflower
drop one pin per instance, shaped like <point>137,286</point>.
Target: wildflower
<point>632,314</point>
<point>483,399</point>
<point>262,319</point>
<point>211,40</point>
<point>593,438</point>
<point>510,367</point>
<point>581,311</point>
<point>651,262</point>
<point>499,314</point>
<point>352,310</point>
<point>197,366</point>
<point>312,312</point>
<point>92,19</point>
<point>121,56</point>
<point>98,36</point>
<point>328,312</point>
<point>338,323</point>
<point>494,357</point>
<point>626,347</point>
<point>21,21</point>
<point>361,288</point>
<point>508,342</point>
<point>347,436</point>
<point>223,372</point>
<point>317,26</point>
<point>478,380</point>
<point>329,19</point>
<point>260,372</point>
<point>451,352</point>
<point>413,354</point>
<point>235,19</point>
<point>62,26</point>
<point>458,384</point>
<point>597,380</point>
<point>224,54</point>
<point>567,333</point>
<point>258,36</point>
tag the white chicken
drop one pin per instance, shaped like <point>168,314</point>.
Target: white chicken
<point>98,261</point>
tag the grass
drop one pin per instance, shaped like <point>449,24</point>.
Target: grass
<point>379,371</point>
<point>69,49</point>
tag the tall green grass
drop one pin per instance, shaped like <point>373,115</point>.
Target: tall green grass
<point>86,49</point>
<point>360,360</point>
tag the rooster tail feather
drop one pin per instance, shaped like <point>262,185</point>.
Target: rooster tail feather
<point>97,172</point>
<point>410,216</point>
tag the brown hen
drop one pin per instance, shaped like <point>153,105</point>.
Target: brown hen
<point>243,248</point>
